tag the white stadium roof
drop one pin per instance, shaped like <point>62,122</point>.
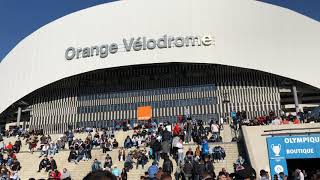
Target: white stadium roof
<point>247,33</point>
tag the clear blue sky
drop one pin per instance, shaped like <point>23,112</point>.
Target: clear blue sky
<point>19,18</point>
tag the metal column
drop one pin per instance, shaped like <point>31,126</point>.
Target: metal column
<point>295,96</point>
<point>19,116</point>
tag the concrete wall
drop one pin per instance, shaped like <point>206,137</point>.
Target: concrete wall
<point>256,144</point>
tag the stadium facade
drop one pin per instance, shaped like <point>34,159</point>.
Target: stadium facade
<point>97,66</point>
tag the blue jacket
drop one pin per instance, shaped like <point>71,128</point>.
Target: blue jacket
<point>205,148</point>
<point>96,166</point>
<point>152,171</point>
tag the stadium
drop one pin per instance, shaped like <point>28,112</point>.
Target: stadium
<point>145,60</point>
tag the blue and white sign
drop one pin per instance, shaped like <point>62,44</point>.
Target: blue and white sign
<point>277,157</point>
<point>291,147</point>
<point>298,147</point>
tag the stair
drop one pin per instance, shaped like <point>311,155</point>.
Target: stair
<point>30,162</point>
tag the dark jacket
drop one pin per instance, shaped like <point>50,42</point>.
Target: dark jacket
<point>199,169</point>
<point>188,168</point>
<point>209,167</point>
<point>44,162</point>
<point>53,164</point>
<point>156,146</point>
<point>166,136</point>
<point>18,143</point>
<point>16,166</point>
<point>81,152</point>
<point>72,155</point>
<point>167,166</point>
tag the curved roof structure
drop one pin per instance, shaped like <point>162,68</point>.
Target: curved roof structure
<point>248,34</point>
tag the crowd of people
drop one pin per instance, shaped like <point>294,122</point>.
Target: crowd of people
<point>240,118</point>
<point>154,141</point>
<point>10,166</point>
<point>149,142</point>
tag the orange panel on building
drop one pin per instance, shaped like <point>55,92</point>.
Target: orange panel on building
<point>144,112</point>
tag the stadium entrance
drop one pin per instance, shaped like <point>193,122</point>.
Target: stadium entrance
<point>288,153</point>
<point>309,166</point>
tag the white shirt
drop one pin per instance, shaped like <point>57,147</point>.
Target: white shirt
<point>301,176</point>
<point>214,128</point>
<point>14,176</point>
<point>168,128</point>
<point>45,148</point>
<point>65,174</point>
<point>276,122</point>
<point>179,145</point>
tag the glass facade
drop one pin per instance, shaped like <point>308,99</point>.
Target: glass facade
<point>167,103</point>
<point>105,96</point>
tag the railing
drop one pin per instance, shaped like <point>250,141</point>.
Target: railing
<point>292,131</point>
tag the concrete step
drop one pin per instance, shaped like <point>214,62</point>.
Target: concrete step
<point>30,162</point>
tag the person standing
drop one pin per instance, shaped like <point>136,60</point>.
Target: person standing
<point>205,148</point>
<point>209,168</point>
<point>121,154</point>
<point>167,165</point>
<point>70,138</point>
<point>180,151</point>
<point>178,172</point>
<point>188,170</point>
<point>188,131</point>
<point>17,145</point>
<point>299,174</point>
<point>156,148</point>
<point>124,175</point>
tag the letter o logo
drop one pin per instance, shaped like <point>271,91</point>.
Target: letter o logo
<point>70,53</point>
<point>286,140</point>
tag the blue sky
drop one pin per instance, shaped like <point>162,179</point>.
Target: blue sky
<point>19,18</point>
